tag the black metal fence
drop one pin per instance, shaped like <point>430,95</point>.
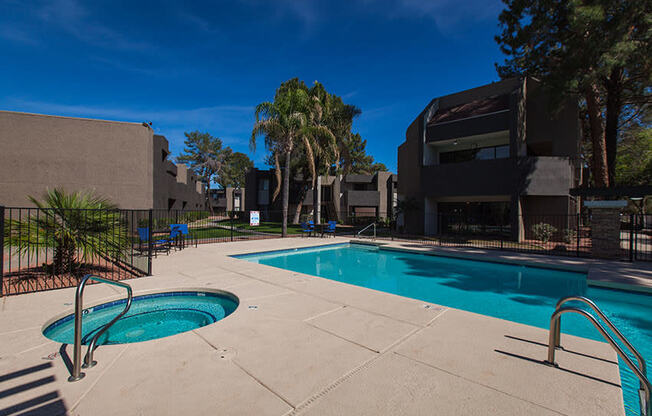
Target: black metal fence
<point>636,236</point>
<point>44,249</point>
<point>567,235</point>
<point>47,248</point>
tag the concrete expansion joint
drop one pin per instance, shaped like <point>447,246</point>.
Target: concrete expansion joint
<point>99,376</point>
<point>390,349</point>
<point>319,315</point>
<point>312,399</point>
<point>477,383</point>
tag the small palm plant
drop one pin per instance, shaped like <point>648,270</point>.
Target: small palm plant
<point>77,226</point>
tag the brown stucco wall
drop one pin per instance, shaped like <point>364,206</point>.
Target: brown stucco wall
<point>121,161</point>
<point>41,152</point>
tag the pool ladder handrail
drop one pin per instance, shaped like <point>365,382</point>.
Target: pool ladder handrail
<point>79,312</point>
<point>554,342</point>
<point>373,224</point>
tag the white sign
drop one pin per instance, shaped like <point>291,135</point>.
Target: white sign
<point>254,218</point>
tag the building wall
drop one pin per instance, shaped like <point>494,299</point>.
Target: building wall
<point>41,152</point>
<point>120,161</point>
<point>531,125</point>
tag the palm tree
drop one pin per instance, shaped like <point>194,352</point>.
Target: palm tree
<point>283,122</point>
<point>79,222</point>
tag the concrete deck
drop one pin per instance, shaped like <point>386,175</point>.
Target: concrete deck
<point>311,346</point>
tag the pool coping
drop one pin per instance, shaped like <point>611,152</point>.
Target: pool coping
<point>578,265</point>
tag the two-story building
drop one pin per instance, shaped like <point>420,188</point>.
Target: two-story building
<point>500,152</point>
<point>227,199</point>
<point>124,162</point>
<point>343,198</point>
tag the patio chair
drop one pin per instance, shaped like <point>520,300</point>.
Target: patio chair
<point>307,228</point>
<point>330,229</point>
<point>163,244</point>
<point>179,233</point>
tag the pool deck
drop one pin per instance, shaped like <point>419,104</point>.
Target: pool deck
<point>299,344</point>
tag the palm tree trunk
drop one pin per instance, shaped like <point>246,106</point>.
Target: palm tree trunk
<point>316,196</point>
<point>286,194</point>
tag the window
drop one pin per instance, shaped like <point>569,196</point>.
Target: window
<point>171,203</point>
<point>481,153</point>
<point>359,187</point>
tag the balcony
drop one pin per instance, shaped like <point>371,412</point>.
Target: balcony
<point>483,124</point>
<point>361,198</point>
<point>526,175</point>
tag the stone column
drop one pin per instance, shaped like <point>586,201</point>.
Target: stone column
<point>605,233</point>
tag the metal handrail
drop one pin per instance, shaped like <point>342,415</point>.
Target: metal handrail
<point>79,310</point>
<point>373,224</point>
<point>598,311</point>
<point>644,392</point>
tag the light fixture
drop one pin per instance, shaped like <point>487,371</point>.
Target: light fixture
<point>455,142</point>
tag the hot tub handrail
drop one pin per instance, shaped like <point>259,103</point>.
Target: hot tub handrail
<point>79,311</point>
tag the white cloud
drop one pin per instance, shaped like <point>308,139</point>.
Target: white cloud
<point>452,17</point>
<point>232,121</point>
<point>73,18</point>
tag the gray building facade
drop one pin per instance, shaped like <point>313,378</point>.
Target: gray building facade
<point>125,162</point>
<point>342,196</point>
<point>498,151</point>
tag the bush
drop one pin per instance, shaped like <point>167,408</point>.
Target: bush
<point>543,231</point>
<point>569,235</point>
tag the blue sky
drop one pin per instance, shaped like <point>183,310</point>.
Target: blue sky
<point>204,65</point>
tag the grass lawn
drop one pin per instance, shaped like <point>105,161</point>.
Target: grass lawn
<point>214,232</point>
<point>271,227</point>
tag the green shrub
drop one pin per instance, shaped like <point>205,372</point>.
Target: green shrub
<point>569,235</point>
<point>543,231</point>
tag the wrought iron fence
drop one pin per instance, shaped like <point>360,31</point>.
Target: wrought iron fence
<point>636,236</point>
<point>47,248</point>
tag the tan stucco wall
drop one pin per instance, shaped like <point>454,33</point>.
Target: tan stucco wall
<point>40,152</point>
<point>120,161</point>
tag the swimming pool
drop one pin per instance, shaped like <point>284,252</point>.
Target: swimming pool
<point>517,293</point>
<point>151,316</point>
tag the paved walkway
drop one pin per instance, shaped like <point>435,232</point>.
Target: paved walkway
<point>299,344</point>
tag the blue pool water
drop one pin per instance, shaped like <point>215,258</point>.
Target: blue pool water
<point>150,316</point>
<point>517,293</point>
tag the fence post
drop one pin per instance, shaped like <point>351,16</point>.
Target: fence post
<point>231,225</point>
<point>150,246</point>
<point>2,248</point>
<point>577,234</point>
<point>501,234</point>
<point>632,236</point>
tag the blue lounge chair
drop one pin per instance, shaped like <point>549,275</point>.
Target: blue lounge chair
<point>157,245</point>
<point>308,228</point>
<point>330,229</point>
<point>179,233</point>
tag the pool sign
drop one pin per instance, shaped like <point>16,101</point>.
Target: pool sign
<point>254,218</point>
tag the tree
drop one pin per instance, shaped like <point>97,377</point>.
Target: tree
<point>205,155</point>
<point>634,161</point>
<point>284,123</point>
<point>597,49</point>
<point>234,170</point>
<point>68,224</point>
<point>357,160</point>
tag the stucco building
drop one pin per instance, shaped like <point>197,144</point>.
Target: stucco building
<point>342,198</point>
<point>125,162</point>
<point>497,152</point>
